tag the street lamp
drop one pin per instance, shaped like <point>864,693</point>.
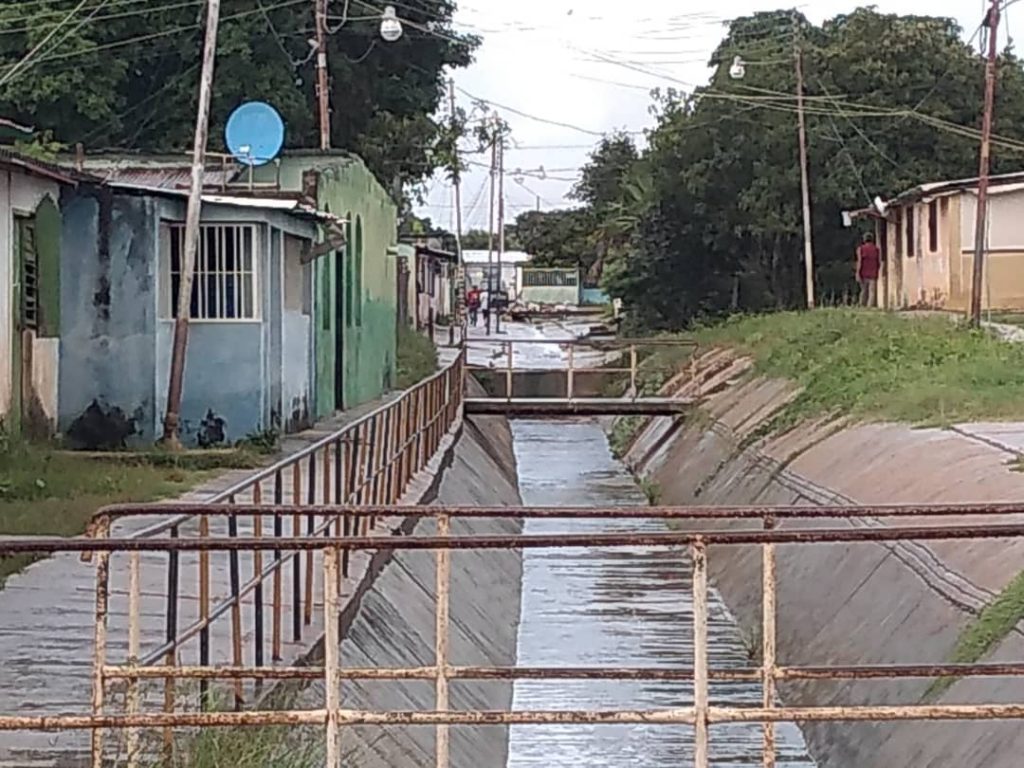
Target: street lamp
<point>390,25</point>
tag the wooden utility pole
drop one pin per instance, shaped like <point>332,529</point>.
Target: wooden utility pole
<point>805,185</point>
<point>981,214</point>
<point>460,290</point>
<point>322,82</point>
<point>501,215</point>
<point>490,239</point>
<point>195,199</point>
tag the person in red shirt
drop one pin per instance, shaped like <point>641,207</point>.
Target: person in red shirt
<point>869,263</point>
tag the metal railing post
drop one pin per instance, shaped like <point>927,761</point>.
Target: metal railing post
<point>769,665</point>
<point>700,653</point>
<point>171,660</point>
<point>204,610</point>
<point>569,373</point>
<point>332,652</point>
<point>132,693</point>
<point>100,641</point>
<point>297,557</point>
<point>236,605</point>
<point>275,643</point>
<point>443,558</point>
<point>257,570</point>
<point>509,375</point>
<point>633,371</point>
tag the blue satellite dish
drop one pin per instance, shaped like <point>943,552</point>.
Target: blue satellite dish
<point>254,133</point>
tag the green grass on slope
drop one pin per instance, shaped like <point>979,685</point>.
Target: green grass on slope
<point>874,365</point>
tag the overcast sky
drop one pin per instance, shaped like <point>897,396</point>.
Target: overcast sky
<point>568,61</point>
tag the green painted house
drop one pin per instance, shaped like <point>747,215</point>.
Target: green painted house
<point>354,285</point>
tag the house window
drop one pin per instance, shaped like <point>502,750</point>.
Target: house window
<point>224,284</point>
<point>25,235</point>
<point>933,226</point>
<point>910,231</point>
<point>899,232</point>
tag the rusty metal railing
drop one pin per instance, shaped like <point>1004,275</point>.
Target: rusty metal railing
<point>592,356</point>
<point>371,461</point>
<point>762,527</point>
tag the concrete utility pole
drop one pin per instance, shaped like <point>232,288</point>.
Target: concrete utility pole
<point>460,296</point>
<point>981,217</point>
<point>805,185</point>
<point>501,215</point>
<point>195,199</point>
<point>322,84</point>
<point>490,239</point>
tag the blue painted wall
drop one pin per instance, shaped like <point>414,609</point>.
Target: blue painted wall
<point>108,306</point>
<point>595,297</point>
<point>249,376</point>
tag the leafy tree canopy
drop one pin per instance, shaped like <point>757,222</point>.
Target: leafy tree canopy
<point>123,74</point>
<point>712,207</point>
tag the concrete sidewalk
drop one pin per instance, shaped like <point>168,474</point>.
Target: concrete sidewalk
<point>47,610</point>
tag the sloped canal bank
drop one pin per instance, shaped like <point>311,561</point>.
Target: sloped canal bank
<point>625,607</point>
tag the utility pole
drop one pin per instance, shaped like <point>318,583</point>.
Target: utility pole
<point>501,217</point>
<point>195,199</point>
<point>490,240</point>
<point>460,295</point>
<point>322,84</point>
<point>981,217</point>
<point>805,186</point>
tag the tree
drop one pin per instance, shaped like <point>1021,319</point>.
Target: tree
<point>124,76</point>
<point>716,225</point>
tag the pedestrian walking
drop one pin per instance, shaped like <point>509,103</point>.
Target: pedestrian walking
<point>869,263</point>
<point>473,304</point>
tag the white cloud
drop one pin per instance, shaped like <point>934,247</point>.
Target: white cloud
<point>544,58</point>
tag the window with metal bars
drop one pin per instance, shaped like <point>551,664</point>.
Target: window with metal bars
<point>25,232</point>
<point>224,283</point>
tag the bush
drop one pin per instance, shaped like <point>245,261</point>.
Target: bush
<point>417,358</point>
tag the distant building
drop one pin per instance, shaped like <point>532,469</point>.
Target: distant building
<point>426,284</point>
<point>480,265</point>
<point>927,243</point>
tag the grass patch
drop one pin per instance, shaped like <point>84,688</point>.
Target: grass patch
<point>873,365</point>
<point>264,747</point>
<point>48,492</point>
<point>986,632</point>
<point>417,358</point>
<point>652,491</point>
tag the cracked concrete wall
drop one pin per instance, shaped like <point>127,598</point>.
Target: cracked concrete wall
<point>394,624</point>
<point>860,603</point>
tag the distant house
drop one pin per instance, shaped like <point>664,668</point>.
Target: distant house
<point>927,242</point>
<point>30,286</point>
<point>248,366</point>
<point>482,264</point>
<point>550,285</point>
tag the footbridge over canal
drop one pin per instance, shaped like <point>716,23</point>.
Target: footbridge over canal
<point>236,616</point>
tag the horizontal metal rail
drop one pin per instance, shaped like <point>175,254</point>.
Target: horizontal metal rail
<point>532,541</point>
<point>697,513</point>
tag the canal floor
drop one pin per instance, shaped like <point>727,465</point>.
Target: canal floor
<point>626,607</point>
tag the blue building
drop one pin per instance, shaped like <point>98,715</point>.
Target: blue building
<point>250,361</point>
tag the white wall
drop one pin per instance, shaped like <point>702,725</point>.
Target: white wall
<point>21,193</point>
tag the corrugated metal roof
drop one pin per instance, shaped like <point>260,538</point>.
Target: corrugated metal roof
<point>39,167</point>
<point>941,187</point>
<point>156,177</point>
<point>509,257</point>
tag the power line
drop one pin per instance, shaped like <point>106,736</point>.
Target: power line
<point>39,46</point>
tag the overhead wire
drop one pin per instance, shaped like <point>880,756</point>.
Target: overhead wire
<point>24,61</point>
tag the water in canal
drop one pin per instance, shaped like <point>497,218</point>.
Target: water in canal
<point>615,608</point>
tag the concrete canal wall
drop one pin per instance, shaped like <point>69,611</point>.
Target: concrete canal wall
<point>861,603</point>
<point>392,622</point>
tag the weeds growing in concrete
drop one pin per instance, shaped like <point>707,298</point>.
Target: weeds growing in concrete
<point>417,358</point>
<point>986,632</point>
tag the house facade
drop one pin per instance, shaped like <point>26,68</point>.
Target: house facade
<point>927,243</point>
<point>248,366</point>
<point>30,285</point>
<point>354,286</point>
<point>482,270</point>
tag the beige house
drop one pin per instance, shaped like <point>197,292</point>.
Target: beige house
<point>927,243</point>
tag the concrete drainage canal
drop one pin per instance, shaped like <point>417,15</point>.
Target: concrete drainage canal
<point>615,608</point>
